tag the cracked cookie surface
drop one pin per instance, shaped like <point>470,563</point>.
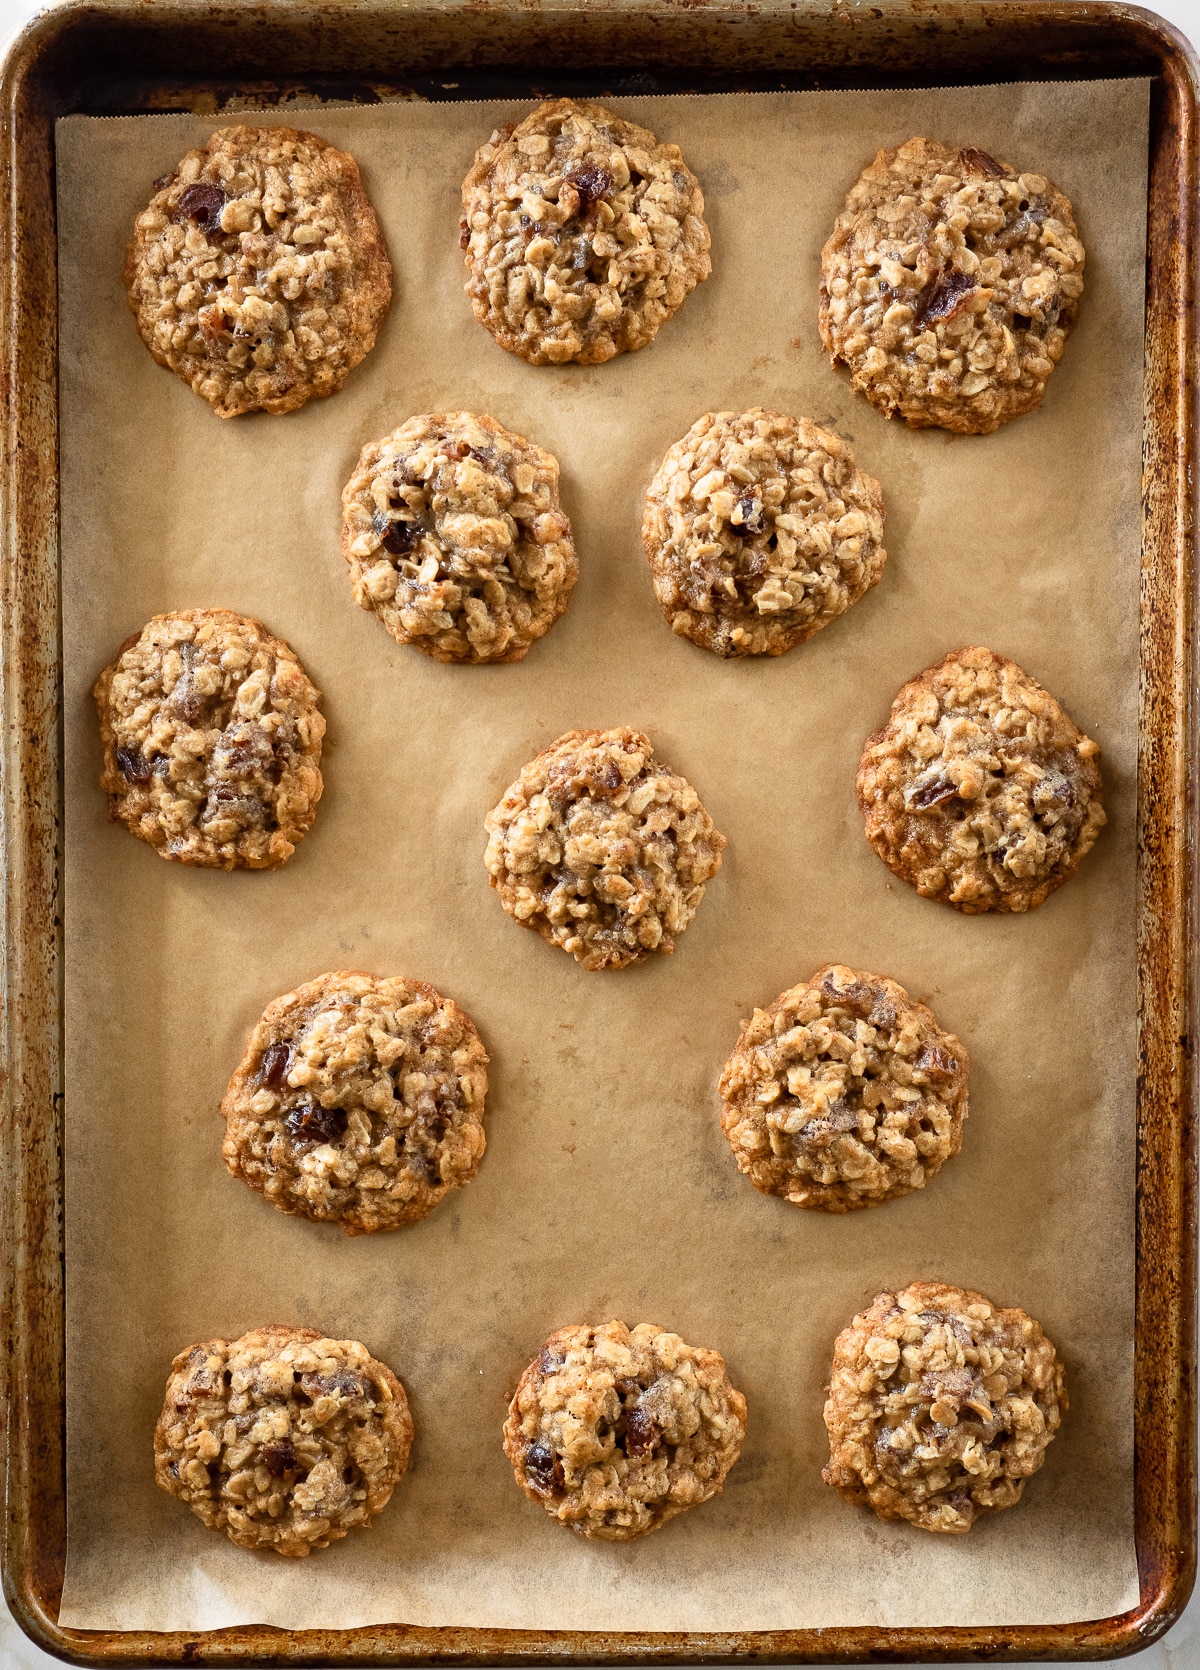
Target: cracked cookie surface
<point>282,1439</point>
<point>979,790</point>
<point>456,540</point>
<point>601,849</point>
<point>843,1093</point>
<point>949,285</point>
<point>358,1101</point>
<point>212,740</point>
<point>258,273</point>
<point>583,234</point>
<point>759,530</point>
<point>940,1406</point>
<point>616,1430</point>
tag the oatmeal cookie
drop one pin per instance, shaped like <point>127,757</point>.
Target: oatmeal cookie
<point>940,1406</point>
<point>844,1093</point>
<point>258,273</point>
<point>455,538</point>
<point>601,849</point>
<point>583,234</point>
<point>358,1101</point>
<point>212,740</point>
<point>948,286</point>
<point>760,531</point>
<point>282,1439</point>
<point>614,1431</point>
<point>979,790</point>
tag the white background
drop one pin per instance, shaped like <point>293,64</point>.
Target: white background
<point>1180,1649</point>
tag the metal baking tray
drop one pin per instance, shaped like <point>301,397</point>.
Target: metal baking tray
<point>121,56</point>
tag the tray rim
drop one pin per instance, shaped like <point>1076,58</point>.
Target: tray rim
<point>31,1298</point>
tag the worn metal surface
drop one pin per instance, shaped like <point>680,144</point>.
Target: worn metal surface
<point>208,55</point>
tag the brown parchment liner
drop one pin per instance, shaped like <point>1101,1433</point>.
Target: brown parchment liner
<point>607,1189</point>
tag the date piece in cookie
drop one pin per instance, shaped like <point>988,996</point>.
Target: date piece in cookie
<point>843,1093</point>
<point>949,285</point>
<point>979,790</point>
<point>760,531</point>
<point>601,849</point>
<point>583,234</point>
<point>282,1439</point>
<point>258,273</point>
<point>455,538</point>
<point>616,1430</point>
<point>940,1406</point>
<point>358,1102</point>
<point>212,741</point>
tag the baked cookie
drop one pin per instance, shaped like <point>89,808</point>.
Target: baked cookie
<point>614,1431</point>
<point>212,740</point>
<point>940,1406</point>
<point>258,272</point>
<point>583,234</point>
<point>455,538</point>
<point>979,790</point>
<point>760,531</point>
<point>949,285</point>
<point>845,1092</point>
<point>601,849</point>
<point>358,1102</point>
<point>282,1439</point>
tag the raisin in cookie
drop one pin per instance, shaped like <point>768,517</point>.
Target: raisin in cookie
<point>358,1102</point>
<point>979,790</point>
<point>601,849</point>
<point>212,740</point>
<point>616,1430</point>
<point>948,286</point>
<point>258,273</point>
<point>760,531</point>
<point>583,234</point>
<point>843,1093</point>
<point>455,538</point>
<point>282,1439</point>
<point>940,1406</point>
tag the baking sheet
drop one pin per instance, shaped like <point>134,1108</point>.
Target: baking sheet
<point>607,1189</point>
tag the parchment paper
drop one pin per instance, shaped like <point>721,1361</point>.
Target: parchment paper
<point>607,1189</point>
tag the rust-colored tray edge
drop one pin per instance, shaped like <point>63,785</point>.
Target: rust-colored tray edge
<point>31,1317</point>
